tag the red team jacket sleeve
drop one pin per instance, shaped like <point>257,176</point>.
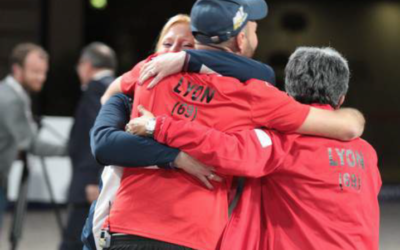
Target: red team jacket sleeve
<point>129,79</point>
<point>244,153</point>
<point>274,109</point>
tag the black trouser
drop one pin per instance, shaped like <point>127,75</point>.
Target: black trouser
<point>77,214</point>
<point>132,242</point>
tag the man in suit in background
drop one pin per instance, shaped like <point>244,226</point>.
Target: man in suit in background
<point>95,69</point>
<point>18,131</point>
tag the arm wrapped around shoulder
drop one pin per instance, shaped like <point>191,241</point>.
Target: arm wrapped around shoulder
<point>343,124</point>
<point>111,145</point>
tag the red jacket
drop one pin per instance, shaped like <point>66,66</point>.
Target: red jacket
<point>316,193</point>
<point>170,205</point>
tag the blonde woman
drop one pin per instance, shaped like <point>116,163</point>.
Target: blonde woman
<point>174,37</point>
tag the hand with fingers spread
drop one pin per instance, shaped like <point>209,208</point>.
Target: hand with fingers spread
<point>140,126</point>
<point>191,166</point>
<point>162,66</point>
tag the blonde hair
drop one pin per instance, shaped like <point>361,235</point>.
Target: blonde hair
<point>180,18</point>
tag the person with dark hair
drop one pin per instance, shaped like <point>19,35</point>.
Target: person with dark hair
<point>315,192</point>
<point>18,131</point>
<point>95,69</point>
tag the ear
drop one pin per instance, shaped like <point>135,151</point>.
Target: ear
<point>341,101</point>
<point>16,71</point>
<point>240,42</point>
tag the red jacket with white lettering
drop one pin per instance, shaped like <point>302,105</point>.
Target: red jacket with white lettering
<point>169,205</point>
<point>316,193</point>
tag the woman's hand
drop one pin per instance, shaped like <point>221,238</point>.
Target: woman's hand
<point>162,66</point>
<point>203,173</point>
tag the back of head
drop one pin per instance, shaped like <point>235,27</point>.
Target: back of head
<point>22,50</point>
<point>100,56</point>
<point>217,21</point>
<point>317,75</point>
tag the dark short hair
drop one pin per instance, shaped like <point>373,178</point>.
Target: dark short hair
<point>317,75</point>
<point>21,51</point>
<point>100,56</point>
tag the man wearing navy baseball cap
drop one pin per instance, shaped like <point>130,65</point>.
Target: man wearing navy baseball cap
<point>192,217</point>
<point>228,25</point>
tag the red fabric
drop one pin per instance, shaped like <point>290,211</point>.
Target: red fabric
<point>171,205</point>
<point>310,203</point>
<point>246,227</point>
<point>129,79</point>
<point>317,193</point>
<point>230,152</point>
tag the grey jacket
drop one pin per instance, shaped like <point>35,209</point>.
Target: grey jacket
<point>18,131</point>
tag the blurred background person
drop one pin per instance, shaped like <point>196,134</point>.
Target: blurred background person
<point>29,64</point>
<point>96,68</point>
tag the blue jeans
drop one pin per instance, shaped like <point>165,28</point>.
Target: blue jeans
<point>3,205</point>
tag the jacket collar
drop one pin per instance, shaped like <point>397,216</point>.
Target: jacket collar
<point>17,87</point>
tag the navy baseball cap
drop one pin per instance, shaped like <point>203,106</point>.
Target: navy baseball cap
<point>216,21</point>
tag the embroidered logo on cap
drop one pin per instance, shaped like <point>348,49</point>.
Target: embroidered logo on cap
<point>239,18</point>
